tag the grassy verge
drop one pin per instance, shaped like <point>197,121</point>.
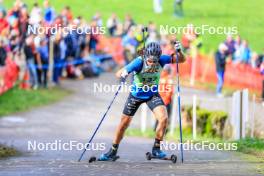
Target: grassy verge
<point>251,150</point>
<point>7,151</point>
<point>251,146</point>
<point>254,147</point>
<point>17,100</point>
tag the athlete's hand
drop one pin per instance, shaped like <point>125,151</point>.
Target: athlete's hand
<point>177,46</point>
<point>122,75</point>
<point>178,57</point>
<point>122,80</point>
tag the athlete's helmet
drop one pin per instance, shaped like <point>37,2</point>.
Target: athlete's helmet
<point>153,49</point>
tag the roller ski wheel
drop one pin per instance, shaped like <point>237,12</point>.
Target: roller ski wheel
<point>93,159</point>
<point>172,158</point>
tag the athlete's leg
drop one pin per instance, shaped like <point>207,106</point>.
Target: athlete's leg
<point>130,109</point>
<point>124,123</point>
<point>160,113</point>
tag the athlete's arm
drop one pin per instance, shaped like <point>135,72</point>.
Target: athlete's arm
<point>121,73</point>
<point>168,59</point>
<point>135,65</point>
<point>180,55</point>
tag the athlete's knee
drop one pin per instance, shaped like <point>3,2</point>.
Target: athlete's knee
<point>163,120</point>
<point>125,121</point>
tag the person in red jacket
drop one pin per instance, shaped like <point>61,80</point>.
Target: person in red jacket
<point>3,22</point>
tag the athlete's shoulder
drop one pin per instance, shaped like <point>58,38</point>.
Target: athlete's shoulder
<point>165,59</point>
<point>138,59</point>
<point>165,56</point>
<point>135,65</point>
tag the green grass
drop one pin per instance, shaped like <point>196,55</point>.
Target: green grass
<point>246,15</point>
<point>252,150</point>
<point>251,146</point>
<point>7,151</point>
<point>17,100</point>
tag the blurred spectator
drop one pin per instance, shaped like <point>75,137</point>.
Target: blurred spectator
<point>35,15</point>
<point>237,54</point>
<point>178,10</point>
<point>153,35</point>
<point>20,60</point>
<point>2,8</point>
<point>112,24</point>
<point>230,43</point>
<point>187,37</point>
<point>3,53</point>
<point>3,23</point>
<point>244,53</point>
<point>23,24</point>
<point>15,11</point>
<point>152,27</point>
<point>255,60</point>
<point>167,45</point>
<point>93,38</point>
<point>97,17</point>
<point>49,13</point>
<point>14,40</point>
<point>262,65</point>
<point>129,43</point>
<point>197,42</point>
<point>30,59</point>
<point>71,45</point>
<point>157,6</point>
<point>63,49</point>
<point>128,23</point>
<point>66,15</point>
<point>119,32</point>
<point>262,68</point>
<point>57,59</point>
<point>237,42</point>
<point>43,54</point>
<point>261,58</point>
<point>220,60</point>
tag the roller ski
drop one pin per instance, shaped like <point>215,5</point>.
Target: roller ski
<point>109,156</point>
<point>161,156</point>
<point>158,154</point>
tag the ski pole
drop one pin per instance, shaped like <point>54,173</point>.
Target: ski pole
<point>179,102</point>
<point>88,144</point>
<point>144,30</point>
